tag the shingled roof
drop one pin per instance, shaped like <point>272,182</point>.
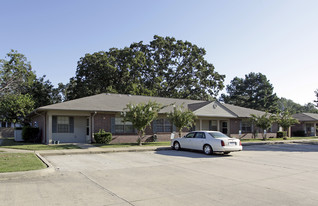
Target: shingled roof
<point>242,111</point>
<point>306,117</point>
<point>107,102</point>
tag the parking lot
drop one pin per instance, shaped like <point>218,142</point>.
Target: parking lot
<point>259,175</point>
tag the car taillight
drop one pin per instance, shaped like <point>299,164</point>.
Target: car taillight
<point>240,143</point>
<point>222,143</point>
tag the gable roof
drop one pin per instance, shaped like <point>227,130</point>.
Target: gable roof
<point>214,109</point>
<point>306,117</point>
<point>106,102</point>
<point>242,111</point>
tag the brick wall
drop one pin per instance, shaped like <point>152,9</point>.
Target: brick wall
<point>102,121</point>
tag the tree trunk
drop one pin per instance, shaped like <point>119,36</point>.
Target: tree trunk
<point>180,133</point>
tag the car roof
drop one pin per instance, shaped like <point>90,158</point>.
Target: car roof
<point>205,131</point>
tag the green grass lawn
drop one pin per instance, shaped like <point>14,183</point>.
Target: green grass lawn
<point>278,139</point>
<point>132,144</point>
<point>14,162</point>
<point>10,143</point>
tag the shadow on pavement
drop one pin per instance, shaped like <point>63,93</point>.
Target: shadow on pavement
<point>189,154</point>
<point>283,148</point>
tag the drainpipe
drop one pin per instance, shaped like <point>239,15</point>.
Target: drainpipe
<point>93,126</point>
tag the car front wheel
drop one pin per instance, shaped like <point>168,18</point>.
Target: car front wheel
<point>176,146</point>
<point>207,149</point>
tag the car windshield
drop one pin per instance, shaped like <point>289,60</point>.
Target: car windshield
<point>218,135</point>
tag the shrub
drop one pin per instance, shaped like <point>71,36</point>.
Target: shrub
<point>102,137</point>
<point>30,133</point>
<point>299,133</point>
<point>281,134</point>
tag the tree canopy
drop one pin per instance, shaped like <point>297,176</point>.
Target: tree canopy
<point>254,91</point>
<point>141,115</point>
<point>263,122</point>
<point>165,67</point>
<point>293,108</point>
<point>20,90</point>
<point>181,118</point>
<point>16,73</point>
<point>285,120</point>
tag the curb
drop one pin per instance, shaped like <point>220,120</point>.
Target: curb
<point>101,151</point>
<point>29,174</point>
<point>281,142</point>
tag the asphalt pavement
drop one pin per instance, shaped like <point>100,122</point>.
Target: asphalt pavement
<point>274,174</point>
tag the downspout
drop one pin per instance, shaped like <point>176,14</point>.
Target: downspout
<point>93,126</point>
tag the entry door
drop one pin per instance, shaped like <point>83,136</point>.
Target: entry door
<point>224,127</point>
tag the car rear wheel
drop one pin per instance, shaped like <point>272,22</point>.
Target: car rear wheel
<point>207,149</point>
<point>176,146</point>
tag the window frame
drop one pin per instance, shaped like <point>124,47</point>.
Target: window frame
<point>164,124</point>
<point>127,127</point>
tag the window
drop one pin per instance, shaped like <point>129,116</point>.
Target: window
<point>213,125</point>
<point>200,135</point>
<point>190,135</point>
<point>123,127</point>
<point>62,124</point>
<point>3,124</point>
<point>246,127</point>
<point>163,125</point>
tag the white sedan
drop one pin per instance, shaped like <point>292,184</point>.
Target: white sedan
<point>208,142</point>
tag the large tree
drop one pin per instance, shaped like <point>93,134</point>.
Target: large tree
<point>43,92</point>
<point>15,107</point>
<point>166,67</point>
<point>20,90</point>
<point>16,73</point>
<point>293,108</point>
<point>254,91</point>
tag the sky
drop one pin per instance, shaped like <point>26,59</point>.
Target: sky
<point>278,38</point>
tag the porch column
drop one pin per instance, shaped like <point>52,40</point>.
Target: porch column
<point>218,125</point>
<point>200,124</point>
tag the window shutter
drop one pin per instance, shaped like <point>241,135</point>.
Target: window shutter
<point>71,124</point>
<point>112,125</point>
<point>54,124</point>
<point>154,126</point>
